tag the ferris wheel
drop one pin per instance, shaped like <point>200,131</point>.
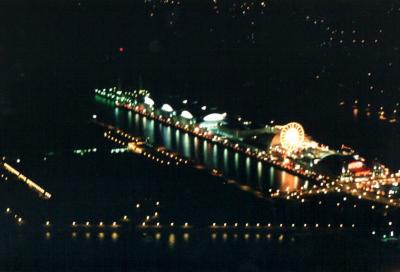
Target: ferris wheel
<point>292,136</point>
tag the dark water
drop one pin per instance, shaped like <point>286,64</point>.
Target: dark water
<point>103,187</point>
<point>234,165</point>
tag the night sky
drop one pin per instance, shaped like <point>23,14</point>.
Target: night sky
<point>281,60</point>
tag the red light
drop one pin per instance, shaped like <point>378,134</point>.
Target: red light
<point>121,49</point>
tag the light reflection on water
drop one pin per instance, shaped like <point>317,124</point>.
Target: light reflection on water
<point>237,163</point>
<point>248,166</point>
<point>114,236</point>
<point>186,237</point>
<point>234,165</point>
<point>166,136</point>
<point>215,156</point>
<point>259,173</point>
<point>288,182</point>
<point>205,153</point>
<point>171,240</point>
<point>130,121</point>
<point>186,146</point>
<point>175,240</point>
<point>117,117</point>
<point>196,148</point>
<point>226,165</point>
<point>225,237</point>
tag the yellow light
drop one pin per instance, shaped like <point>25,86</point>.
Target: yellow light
<point>114,236</point>
<point>292,136</point>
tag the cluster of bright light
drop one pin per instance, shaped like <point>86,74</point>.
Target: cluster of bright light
<point>292,136</point>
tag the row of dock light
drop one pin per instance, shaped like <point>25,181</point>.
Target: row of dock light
<point>146,224</point>
<point>87,224</point>
<point>170,157</point>
<point>281,226</point>
<point>212,226</point>
<point>86,151</point>
<point>18,218</point>
<point>114,139</point>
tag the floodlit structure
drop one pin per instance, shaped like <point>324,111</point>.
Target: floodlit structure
<point>186,114</point>
<point>148,101</point>
<point>214,117</point>
<point>292,136</point>
<point>212,120</point>
<point>167,108</point>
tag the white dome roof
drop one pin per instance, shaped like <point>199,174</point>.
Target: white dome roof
<point>167,108</point>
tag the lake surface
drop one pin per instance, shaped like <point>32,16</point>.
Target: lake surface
<point>104,187</point>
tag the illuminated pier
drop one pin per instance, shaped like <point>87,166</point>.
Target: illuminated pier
<point>286,147</point>
<point>31,184</point>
